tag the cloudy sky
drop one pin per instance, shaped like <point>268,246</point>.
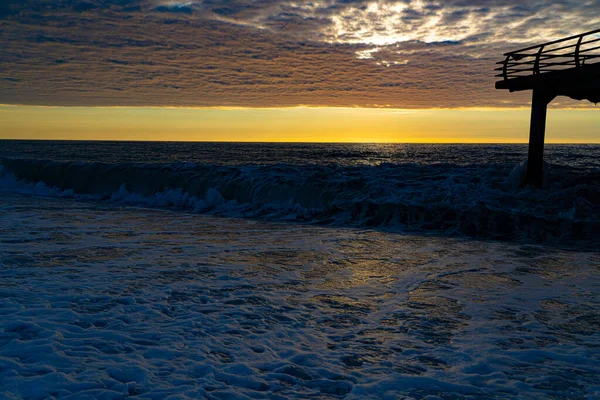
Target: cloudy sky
<point>273,53</point>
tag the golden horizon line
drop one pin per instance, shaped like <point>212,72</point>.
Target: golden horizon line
<point>576,142</point>
<point>298,107</point>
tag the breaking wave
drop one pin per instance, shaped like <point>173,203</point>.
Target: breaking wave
<point>482,200</point>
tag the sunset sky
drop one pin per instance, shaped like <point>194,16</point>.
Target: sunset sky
<point>336,70</point>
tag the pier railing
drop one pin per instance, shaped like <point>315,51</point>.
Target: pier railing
<point>572,52</point>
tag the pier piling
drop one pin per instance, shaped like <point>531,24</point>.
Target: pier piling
<point>537,131</point>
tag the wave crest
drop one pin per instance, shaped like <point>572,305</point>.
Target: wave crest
<point>478,200</point>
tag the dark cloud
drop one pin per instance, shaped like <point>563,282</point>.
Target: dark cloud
<point>177,8</point>
<point>406,54</point>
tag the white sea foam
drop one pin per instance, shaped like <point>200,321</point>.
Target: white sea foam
<point>108,302</point>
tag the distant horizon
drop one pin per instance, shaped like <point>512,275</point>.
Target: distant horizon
<point>248,142</point>
<point>295,124</point>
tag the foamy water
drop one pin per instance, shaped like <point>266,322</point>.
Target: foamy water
<point>185,271</point>
<point>102,301</point>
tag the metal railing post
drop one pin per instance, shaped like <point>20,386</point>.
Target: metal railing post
<point>536,66</point>
<point>577,62</point>
<point>505,67</point>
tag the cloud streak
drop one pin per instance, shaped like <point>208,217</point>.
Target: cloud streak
<point>403,54</point>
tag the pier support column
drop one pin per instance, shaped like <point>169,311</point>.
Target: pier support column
<point>535,159</point>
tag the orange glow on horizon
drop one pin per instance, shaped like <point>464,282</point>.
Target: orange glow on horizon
<point>300,124</point>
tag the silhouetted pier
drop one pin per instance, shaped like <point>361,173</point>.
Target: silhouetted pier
<point>566,67</point>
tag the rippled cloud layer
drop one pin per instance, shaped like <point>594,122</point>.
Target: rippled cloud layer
<point>406,54</point>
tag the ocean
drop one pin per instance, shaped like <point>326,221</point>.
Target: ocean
<point>356,271</point>
<point>467,189</point>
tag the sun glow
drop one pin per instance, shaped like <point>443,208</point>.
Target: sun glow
<point>298,124</point>
<point>385,24</point>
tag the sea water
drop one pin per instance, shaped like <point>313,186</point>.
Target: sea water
<point>198,270</point>
<point>470,189</point>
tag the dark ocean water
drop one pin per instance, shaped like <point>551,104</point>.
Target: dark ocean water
<point>467,189</point>
<point>180,270</point>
